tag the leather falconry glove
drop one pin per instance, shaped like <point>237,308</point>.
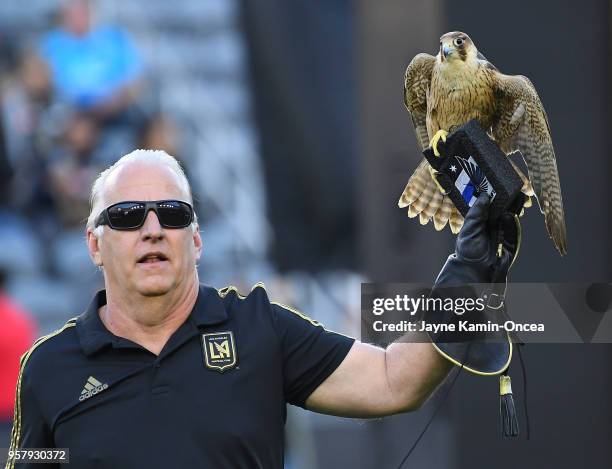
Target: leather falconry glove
<point>477,271</point>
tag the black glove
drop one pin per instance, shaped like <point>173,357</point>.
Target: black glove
<point>483,255</point>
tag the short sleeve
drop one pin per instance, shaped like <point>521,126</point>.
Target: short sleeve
<point>310,353</point>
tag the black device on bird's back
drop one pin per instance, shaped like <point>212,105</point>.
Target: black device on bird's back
<point>470,163</point>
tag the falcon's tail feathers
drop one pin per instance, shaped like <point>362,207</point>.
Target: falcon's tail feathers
<point>423,198</point>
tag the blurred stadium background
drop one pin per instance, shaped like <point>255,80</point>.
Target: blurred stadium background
<point>288,117</point>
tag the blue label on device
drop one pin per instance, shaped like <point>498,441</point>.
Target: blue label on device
<point>469,179</point>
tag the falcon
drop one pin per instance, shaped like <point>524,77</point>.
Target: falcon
<point>457,85</point>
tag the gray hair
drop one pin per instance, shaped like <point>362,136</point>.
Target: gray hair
<point>156,157</point>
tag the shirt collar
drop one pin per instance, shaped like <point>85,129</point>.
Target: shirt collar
<point>94,336</point>
<point>209,308</point>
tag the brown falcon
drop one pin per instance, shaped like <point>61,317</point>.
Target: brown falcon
<point>457,85</point>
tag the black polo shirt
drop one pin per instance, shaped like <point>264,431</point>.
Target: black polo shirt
<point>215,396</point>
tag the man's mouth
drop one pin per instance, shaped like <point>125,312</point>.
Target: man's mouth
<point>152,257</point>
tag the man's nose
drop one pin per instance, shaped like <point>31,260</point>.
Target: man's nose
<point>151,227</point>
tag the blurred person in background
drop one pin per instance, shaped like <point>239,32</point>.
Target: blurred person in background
<point>94,67</point>
<point>27,123</point>
<point>72,169</point>
<point>160,133</point>
<point>17,332</point>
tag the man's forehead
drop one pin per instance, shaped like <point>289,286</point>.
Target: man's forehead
<point>143,181</point>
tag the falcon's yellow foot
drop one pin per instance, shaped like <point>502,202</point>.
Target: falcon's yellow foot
<point>440,135</point>
<point>434,176</point>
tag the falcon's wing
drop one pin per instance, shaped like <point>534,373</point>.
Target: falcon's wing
<point>485,62</point>
<point>523,125</point>
<point>416,89</point>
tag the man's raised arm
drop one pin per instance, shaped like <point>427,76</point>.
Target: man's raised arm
<point>375,382</point>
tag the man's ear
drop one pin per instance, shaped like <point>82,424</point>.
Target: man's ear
<point>93,245</point>
<point>197,241</point>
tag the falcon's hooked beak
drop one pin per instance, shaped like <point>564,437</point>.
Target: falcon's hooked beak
<point>446,50</point>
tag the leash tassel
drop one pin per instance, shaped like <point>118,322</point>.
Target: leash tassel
<point>507,410</point>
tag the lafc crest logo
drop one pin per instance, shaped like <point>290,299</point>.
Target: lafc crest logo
<point>219,350</point>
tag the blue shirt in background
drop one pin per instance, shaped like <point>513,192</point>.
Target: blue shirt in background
<point>89,69</point>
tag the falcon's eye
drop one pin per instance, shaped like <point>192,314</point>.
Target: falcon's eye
<point>458,42</point>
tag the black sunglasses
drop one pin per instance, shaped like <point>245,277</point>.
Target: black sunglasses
<point>131,215</point>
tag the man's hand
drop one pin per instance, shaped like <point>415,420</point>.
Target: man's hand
<point>483,253</point>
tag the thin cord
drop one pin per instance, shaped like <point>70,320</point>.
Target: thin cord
<point>450,387</point>
<point>524,390</point>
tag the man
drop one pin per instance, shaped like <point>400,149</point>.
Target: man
<point>161,371</point>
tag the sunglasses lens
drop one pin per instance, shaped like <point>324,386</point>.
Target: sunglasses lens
<point>174,214</point>
<point>126,215</point>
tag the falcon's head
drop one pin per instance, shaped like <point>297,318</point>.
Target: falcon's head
<point>457,46</point>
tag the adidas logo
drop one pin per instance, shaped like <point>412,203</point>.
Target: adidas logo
<point>92,387</point>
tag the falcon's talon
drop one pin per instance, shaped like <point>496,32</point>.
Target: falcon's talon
<point>440,135</point>
<point>434,175</point>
